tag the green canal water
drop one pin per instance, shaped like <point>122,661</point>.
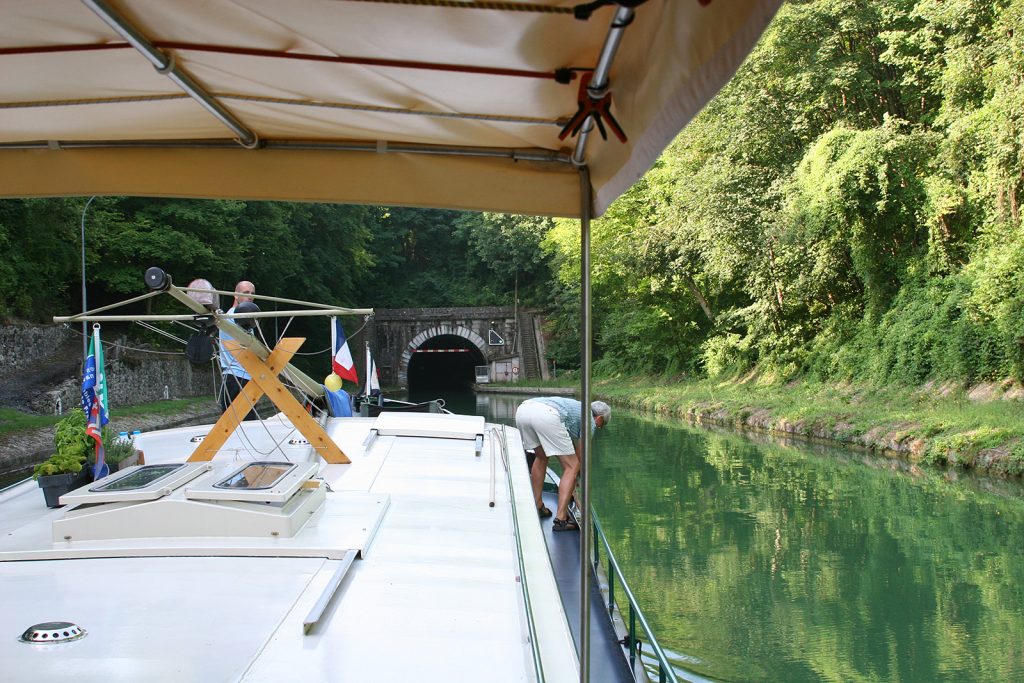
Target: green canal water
<point>761,562</point>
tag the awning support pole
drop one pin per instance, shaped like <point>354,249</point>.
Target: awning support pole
<point>586,205</point>
<point>599,81</point>
<point>166,66</point>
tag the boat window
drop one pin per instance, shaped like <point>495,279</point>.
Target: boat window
<point>139,478</point>
<point>258,475</point>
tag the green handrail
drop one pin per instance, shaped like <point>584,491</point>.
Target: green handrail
<point>665,672</point>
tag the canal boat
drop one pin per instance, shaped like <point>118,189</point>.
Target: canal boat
<point>387,547</point>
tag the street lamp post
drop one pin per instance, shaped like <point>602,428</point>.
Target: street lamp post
<point>85,325</point>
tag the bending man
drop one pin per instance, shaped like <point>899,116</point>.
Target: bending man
<point>550,425</point>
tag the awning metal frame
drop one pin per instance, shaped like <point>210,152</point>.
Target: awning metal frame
<point>166,66</point>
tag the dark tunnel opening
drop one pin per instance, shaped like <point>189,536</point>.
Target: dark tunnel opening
<point>444,362</point>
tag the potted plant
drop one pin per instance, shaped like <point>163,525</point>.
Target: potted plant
<point>119,452</point>
<point>65,470</point>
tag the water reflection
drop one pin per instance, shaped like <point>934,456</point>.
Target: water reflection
<point>768,563</point>
<point>495,407</point>
<point>760,562</point>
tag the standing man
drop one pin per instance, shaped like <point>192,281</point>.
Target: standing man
<point>234,375</point>
<point>550,425</point>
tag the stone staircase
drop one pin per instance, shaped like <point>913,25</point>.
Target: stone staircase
<point>528,344</point>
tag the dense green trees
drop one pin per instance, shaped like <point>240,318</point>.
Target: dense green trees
<point>347,255</point>
<point>222,241</point>
<point>848,207</point>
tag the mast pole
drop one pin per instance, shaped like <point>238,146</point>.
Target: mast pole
<point>85,327</point>
<point>366,383</point>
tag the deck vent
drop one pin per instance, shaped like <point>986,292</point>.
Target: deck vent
<point>52,632</point>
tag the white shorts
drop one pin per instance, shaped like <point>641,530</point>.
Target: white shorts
<point>540,425</point>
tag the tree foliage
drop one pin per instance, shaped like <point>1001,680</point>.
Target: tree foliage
<point>847,206</point>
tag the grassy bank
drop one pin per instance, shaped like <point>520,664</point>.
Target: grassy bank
<point>12,421</point>
<point>980,427</point>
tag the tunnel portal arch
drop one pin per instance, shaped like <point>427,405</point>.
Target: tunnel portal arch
<point>429,340</point>
<point>503,338</point>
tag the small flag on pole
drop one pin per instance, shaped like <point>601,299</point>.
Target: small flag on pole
<point>94,400</point>
<point>372,383</point>
<point>341,362</point>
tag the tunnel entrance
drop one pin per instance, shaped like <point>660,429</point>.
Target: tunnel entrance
<point>442,362</point>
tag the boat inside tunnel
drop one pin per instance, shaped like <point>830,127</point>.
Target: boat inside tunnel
<point>442,362</point>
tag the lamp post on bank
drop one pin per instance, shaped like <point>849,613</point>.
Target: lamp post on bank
<point>85,325</point>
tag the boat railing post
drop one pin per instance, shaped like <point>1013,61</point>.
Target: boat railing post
<point>611,592</point>
<point>632,637</point>
<point>494,476</point>
<point>586,207</point>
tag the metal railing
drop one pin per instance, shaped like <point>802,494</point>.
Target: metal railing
<point>636,616</point>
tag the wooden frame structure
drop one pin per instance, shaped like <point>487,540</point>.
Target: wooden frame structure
<point>264,374</point>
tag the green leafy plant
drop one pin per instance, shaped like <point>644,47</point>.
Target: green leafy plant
<point>69,437</point>
<point>72,445</point>
<point>58,464</point>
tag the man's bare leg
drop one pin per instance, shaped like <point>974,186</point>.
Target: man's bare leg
<point>566,486</point>
<point>537,472</point>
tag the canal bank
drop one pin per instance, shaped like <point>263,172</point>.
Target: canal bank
<point>979,428</point>
<point>524,391</point>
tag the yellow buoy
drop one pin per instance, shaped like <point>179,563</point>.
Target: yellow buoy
<point>332,382</point>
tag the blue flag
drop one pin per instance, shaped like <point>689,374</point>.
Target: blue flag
<point>94,401</point>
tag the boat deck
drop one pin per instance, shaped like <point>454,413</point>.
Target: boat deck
<point>435,592</point>
<point>608,663</point>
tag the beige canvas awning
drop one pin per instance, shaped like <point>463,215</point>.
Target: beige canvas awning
<point>433,103</point>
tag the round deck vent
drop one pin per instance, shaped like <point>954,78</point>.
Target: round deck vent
<point>52,632</point>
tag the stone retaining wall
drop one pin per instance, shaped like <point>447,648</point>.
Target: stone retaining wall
<point>21,344</point>
<point>41,365</point>
<point>134,380</point>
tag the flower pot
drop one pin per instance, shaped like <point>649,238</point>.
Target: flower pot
<point>56,485</point>
<point>132,459</point>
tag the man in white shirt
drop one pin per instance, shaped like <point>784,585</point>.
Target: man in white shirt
<point>234,375</point>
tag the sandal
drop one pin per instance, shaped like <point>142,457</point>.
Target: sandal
<point>564,525</point>
<point>543,512</point>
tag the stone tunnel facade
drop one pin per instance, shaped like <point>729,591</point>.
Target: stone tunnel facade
<point>497,332</point>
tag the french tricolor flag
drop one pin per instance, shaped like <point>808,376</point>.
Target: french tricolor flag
<point>342,363</point>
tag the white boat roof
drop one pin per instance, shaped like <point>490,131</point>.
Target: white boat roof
<point>435,592</point>
<point>350,101</point>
